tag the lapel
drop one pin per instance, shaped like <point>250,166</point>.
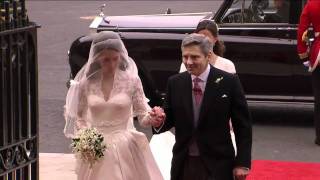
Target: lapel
<point>210,92</point>
<point>187,101</point>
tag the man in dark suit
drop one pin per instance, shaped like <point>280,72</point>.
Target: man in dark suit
<point>199,104</point>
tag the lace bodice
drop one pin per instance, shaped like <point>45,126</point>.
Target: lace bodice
<point>126,100</point>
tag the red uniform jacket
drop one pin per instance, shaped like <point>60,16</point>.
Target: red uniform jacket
<point>310,16</point>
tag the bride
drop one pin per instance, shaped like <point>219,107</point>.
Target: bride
<point>106,94</point>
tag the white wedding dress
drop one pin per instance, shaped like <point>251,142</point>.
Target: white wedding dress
<point>128,155</point>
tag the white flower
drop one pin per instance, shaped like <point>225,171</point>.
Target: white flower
<point>218,80</point>
<point>89,145</point>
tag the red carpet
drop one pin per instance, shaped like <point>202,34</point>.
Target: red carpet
<point>282,170</point>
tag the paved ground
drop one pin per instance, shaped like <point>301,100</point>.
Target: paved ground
<point>61,24</point>
<point>54,166</point>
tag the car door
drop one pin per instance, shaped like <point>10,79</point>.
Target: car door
<point>264,51</point>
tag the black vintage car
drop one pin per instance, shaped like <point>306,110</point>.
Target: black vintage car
<point>260,39</point>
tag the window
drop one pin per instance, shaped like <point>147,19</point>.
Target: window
<point>278,12</point>
<point>258,11</point>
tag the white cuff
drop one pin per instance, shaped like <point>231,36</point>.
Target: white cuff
<point>158,129</point>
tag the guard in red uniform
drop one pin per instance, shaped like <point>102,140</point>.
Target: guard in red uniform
<point>310,16</point>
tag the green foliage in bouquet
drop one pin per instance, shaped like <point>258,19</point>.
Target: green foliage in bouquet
<point>89,145</point>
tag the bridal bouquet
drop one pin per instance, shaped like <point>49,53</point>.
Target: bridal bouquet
<point>89,145</point>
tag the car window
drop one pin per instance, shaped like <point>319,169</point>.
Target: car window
<point>258,11</point>
<point>277,11</point>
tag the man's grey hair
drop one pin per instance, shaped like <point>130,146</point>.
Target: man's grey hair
<point>200,40</point>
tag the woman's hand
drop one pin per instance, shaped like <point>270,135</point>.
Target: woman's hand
<point>157,116</point>
<point>81,124</point>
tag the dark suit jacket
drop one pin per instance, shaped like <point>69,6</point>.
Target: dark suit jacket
<point>222,100</point>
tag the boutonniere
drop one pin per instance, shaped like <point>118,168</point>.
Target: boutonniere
<point>218,80</point>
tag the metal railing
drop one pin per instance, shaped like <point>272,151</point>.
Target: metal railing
<point>19,159</point>
<point>13,14</point>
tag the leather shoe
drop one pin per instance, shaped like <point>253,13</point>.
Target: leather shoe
<point>317,141</point>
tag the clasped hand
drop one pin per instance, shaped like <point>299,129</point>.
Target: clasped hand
<point>157,116</point>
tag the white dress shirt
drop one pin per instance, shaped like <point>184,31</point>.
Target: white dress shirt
<point>203,76</point>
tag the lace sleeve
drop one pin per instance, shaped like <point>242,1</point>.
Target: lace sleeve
<point>140,103</point>
<point>75,109</point>
<point>82,108</point>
